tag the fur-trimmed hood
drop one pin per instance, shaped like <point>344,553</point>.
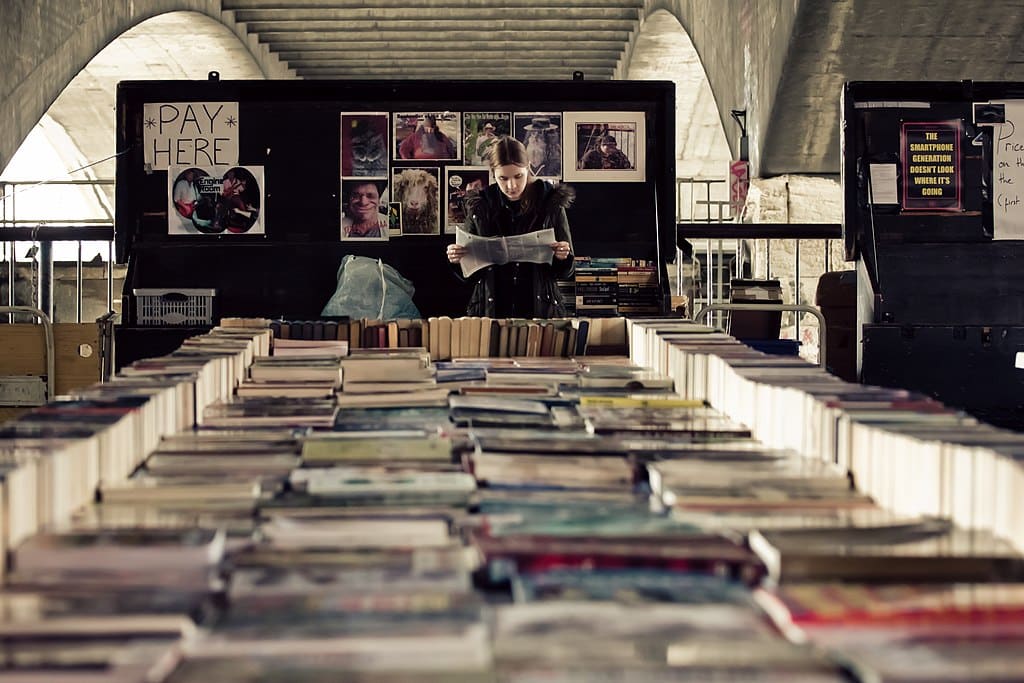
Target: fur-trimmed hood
<point>488,203</point>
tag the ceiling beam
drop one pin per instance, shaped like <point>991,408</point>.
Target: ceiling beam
<point>454,5</point>
<point>407,50</point>
<point>514,39</point>
<point>441,27</point>
<point>487,14</point>
<point>525,71</point>
<point>385,60</point>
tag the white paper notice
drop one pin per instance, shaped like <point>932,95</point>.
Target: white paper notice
<point>883,184</point>
<point>1008,174</point>
<point>190,134</point>
<point>532,247</point>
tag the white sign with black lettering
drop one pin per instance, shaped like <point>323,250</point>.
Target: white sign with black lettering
<point>1008,174</point>
<point>190,134</point>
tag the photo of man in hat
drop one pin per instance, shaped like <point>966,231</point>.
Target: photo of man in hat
<point>542,135</point>
<point>606,154</point>
<point>487,137</point>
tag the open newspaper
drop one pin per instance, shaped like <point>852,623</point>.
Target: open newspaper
<point>533,247</point>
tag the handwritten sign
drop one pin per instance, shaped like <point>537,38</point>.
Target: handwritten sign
<point>1008,174</point>
<point>931,165</point>
<point>190,134</point>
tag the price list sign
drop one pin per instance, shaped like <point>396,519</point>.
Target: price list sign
<point>931,165</point>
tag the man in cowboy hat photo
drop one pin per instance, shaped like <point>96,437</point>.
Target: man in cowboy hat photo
<point>487,137</point>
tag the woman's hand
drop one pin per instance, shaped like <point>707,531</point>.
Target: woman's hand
<point>560,249</point>
<point>456,252</point>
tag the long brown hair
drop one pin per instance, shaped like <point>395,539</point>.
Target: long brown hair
<point>509,151</point>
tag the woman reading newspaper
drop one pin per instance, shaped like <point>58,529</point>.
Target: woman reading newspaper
<point>516,241</point>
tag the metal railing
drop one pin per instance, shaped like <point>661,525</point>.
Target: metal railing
<point>43,234</point>
<point>48,336</point>
<point>702,219</point>
<point>800,308</point>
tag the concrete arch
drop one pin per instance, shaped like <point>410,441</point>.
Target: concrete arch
<point>661,50</point>
<point>46,43</point>
<point>742,46</point>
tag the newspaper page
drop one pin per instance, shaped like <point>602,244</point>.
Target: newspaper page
<point>532,247</point>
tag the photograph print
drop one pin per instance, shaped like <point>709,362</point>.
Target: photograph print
<point>214,200</point>
<point>542,135</point>
<point>364,209</point>
<point>364,145</point>
<point>427,135</point>
<point>395,219</point>
<point>480,130</point>
<point>459,182</point>
<point>605,146</point>
<point>416,190</point>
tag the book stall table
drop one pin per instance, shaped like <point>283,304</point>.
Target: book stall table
<point>486,533</point>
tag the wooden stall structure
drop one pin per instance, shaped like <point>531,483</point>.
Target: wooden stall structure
<point>933,178</point>
<point>273,250</point>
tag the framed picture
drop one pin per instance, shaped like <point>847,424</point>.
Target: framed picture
<point>604,146</point>
<point>215,200</point>
<point>415,188</point>
<point>541,132</point>
<point>427,135</point>
<point>364,145</point>
<point>459,181</point>
<point>481,129</point>
<point>395,219</point>
<point>364,209</point>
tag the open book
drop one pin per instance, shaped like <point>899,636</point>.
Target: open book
<point>533,247</point>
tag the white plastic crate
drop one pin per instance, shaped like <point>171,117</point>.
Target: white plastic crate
<point>174,306</point>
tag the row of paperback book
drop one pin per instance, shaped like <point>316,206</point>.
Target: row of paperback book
<point>448,337</point>
<point>906,450</point>
<point>558,519</point>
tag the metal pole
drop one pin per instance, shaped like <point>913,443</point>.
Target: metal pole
<point>796,289</point>
<point>45,283</point>
<point>110,276</point>
<point>10,278</point>
<point>78,285</point>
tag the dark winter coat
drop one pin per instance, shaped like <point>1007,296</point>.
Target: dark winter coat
<point>489,214</point>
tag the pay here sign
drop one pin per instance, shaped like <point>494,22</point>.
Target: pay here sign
<point>190,134</point>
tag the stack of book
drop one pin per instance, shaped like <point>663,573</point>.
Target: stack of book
<point>639,289</point>
<point>597,286</point>
<point>292,376</point>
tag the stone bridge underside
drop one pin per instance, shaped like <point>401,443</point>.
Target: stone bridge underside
<point>782,61</point>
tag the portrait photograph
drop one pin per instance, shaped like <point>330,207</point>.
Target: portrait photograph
<point>416,190</point>
<point>395,219</point>
<point>542,135</point>
<point>605,146</point>
<point>427,135</point>
<point>480,130</point>
<point>215,200</point>
<point>460,181</point>
<point>364,145</point>
<point>364,209</point>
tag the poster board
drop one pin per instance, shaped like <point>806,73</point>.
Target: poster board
<point>307,143</point>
